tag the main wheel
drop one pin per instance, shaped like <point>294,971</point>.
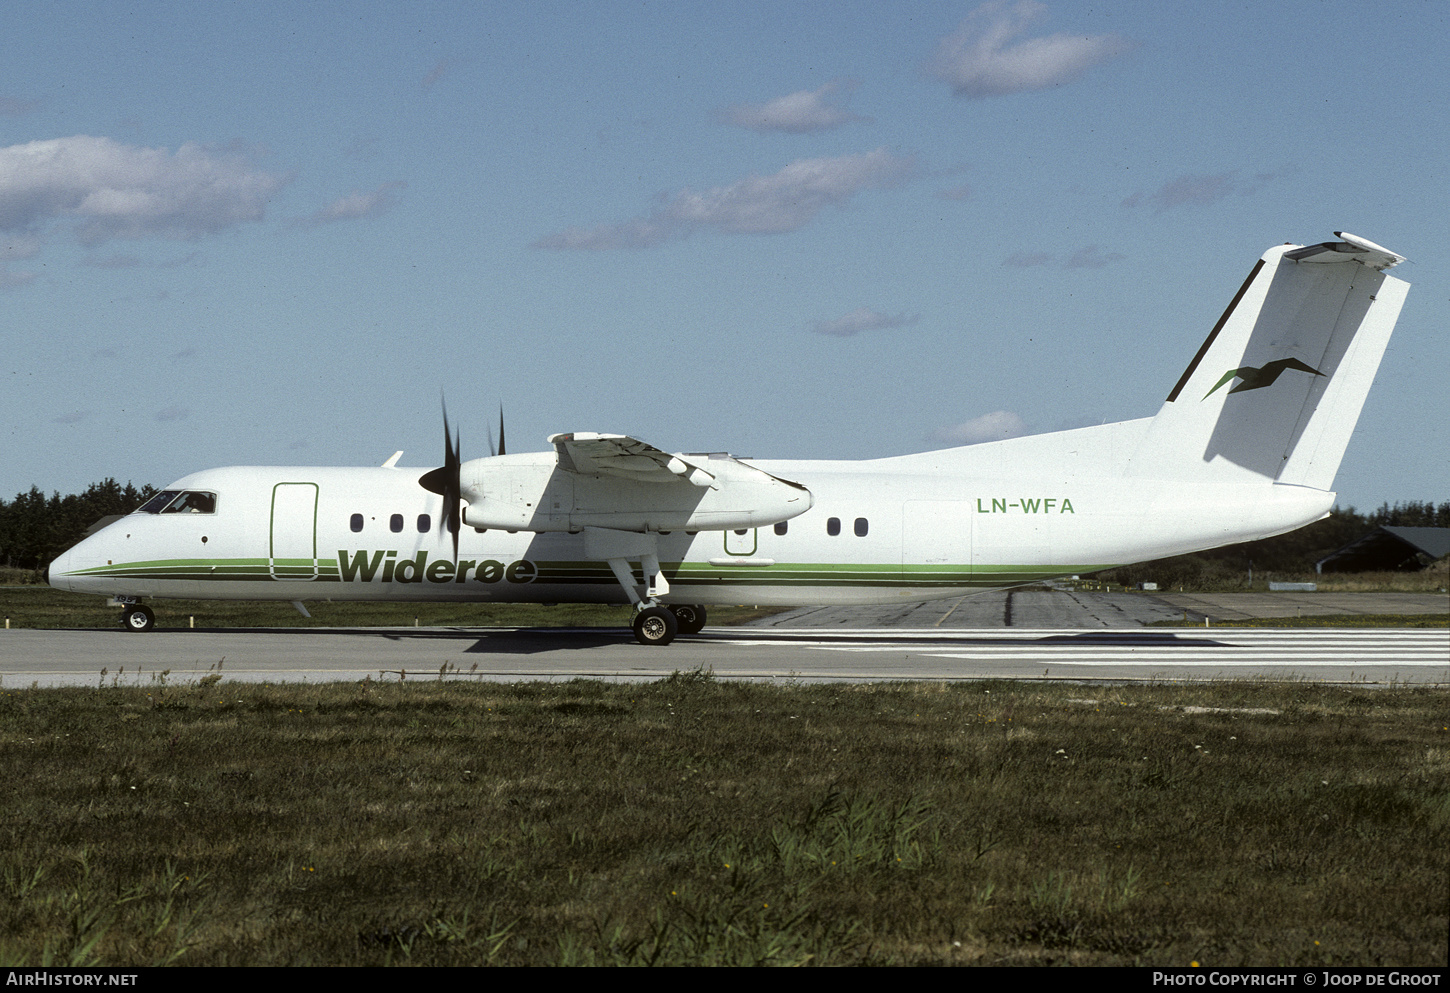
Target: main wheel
<point>689,616</point>
<point>655,626</point>
<point>138,618</point>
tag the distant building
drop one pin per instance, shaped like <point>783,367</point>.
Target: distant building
<point>1389,549</point>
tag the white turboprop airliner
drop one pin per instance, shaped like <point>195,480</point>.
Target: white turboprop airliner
<point>1246,446</point>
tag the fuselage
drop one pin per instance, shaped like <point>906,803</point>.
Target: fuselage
<point>888,530</point>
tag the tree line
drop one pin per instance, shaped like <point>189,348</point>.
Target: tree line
<point>1295,552</point>
<point>35,528</point>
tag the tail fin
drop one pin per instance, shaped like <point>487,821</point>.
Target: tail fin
<point>1276,389</point>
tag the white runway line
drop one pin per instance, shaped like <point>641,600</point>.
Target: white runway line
<point>1174,646</point>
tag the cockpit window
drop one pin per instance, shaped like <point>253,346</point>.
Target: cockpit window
<point>154,505</point>
<point>180,502</point>
<point>192,502</point>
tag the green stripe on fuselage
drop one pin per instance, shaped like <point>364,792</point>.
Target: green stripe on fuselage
<point>590,573</point>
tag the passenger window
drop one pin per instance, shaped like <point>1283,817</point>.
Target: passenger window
<point>395,523</point>
<point>357,522</point>
<point>424,523</point>
<point>861,527</point>
<point>833,526</point>
<point>781,527</point>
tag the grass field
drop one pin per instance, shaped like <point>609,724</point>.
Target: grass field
<point>695,821</point>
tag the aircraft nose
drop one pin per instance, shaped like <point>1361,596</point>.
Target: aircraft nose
<point>56,572</point>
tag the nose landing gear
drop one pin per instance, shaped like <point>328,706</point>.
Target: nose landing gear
<point>137,617</point>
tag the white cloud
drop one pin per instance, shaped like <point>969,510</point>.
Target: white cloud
<point>110,190</point>
<point>785,201</point>
<point>797,113</point>
<point>1204,189</point>
<point>863,319</point>
<point>1092,257</point>
<point>358,204</point>
<point>1087,257</point>
<point>440,69</point>
<point>16,245</point>
<point>10,280</point>
<point>117,261</point>
<point>1027,260</point>
<point>17,107</point>
<point>1187,189</point>
<point>997,425</point>
<point>979,61</point>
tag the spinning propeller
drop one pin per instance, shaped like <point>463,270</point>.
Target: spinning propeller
<point>447,481</point>
<point>500,435</point>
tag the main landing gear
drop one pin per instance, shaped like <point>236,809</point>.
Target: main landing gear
<point>654,623</point>
<point>689,616</point>
<point>658,625</point>
<point>137,617</point>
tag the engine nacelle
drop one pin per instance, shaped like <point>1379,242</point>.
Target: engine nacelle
<point>533,493</point>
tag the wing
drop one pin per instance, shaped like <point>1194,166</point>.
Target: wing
<point>614,481</point>
<point>622,457</point>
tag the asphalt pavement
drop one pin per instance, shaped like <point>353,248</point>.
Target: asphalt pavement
<point>1066,608</point>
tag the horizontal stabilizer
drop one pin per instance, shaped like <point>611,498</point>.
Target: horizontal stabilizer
<point>1351,249</point>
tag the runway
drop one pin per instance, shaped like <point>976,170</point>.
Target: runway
<point>1371,656</point>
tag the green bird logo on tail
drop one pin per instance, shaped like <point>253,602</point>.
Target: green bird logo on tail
<point>1257,378</point>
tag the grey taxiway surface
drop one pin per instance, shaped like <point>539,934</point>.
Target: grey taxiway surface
<point>1025,634</point>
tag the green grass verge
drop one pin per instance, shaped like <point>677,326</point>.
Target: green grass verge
<point>695,821</point>
<point>43,607</point>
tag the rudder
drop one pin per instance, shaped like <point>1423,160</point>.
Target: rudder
<point>1276,389</point>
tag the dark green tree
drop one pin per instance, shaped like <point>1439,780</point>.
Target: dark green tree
<point>35,529</point>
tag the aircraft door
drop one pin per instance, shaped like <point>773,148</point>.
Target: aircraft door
<point>936,542</point>
<point>740,542</point>
<point>292,551</point>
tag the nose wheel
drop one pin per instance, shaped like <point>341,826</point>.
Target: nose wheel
<point>138,618</point>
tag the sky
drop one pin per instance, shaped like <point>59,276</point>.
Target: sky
<point>281,233</point>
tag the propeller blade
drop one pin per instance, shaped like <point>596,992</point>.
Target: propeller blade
<point>447,481</point>
<point>499,450</point>
<point>453,462</point>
